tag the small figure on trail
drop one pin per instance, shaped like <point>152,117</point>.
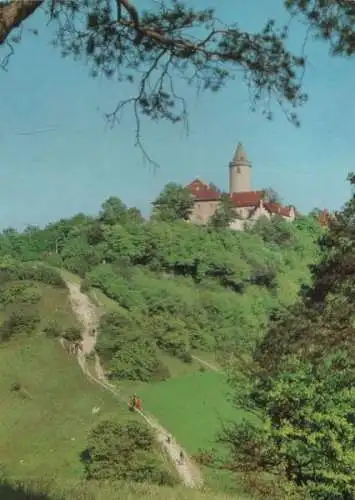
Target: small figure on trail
<point>93,332</point>
<point>135,403</point>
<point>181,457</point>
<point>168,439</point>
<point>138,404</point>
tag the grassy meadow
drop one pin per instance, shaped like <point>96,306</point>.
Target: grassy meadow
<point>43,429</point>
<point>191,406</point>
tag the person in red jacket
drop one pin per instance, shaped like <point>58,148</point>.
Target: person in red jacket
<point>132,403</point>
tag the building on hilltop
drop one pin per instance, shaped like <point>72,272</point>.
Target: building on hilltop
<point>249,205</point>
<point>324,218</point>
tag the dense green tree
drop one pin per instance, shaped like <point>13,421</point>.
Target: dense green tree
<point>306,433</point>
<point>323,317</point>
<point>173,203</point>
<point>113,211</point>
<point>303,376</point>
<point>275,230</point>
<point>126,349</point>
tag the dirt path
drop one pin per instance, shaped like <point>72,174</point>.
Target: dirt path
<point>206,363</point>
<point>88,315</point>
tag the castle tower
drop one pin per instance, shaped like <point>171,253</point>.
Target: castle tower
<point>239,172</point>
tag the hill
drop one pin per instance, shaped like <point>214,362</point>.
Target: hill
<point>174,300</point>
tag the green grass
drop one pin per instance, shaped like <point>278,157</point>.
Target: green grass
<point>44,436</point>
<point>44,427</point>
<point>176,367</point>
<point>103,491</point>
<point>192,407</point>
<point>67,275</point>
<point>55,305</point>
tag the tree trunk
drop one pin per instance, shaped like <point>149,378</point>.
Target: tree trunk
<point>12,14</point>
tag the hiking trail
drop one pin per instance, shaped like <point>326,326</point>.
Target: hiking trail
<point>88,315</point>
<point>212,367</point>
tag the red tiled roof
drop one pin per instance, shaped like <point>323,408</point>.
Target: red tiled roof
<point>202,191</point>
<point>276,208</point>
<point>247,199</point>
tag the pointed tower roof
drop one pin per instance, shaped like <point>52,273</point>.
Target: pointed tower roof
<point>240,154</point>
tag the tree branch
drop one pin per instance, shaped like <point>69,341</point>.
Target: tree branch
<point>13,13</point>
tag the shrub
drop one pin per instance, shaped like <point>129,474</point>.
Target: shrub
<point>40,272</point>
<point>185,357</point>
<point>22,320</point>
<point>124,451</point>
<point>307,431</point>
<point>52,329</point>
<point>72,334</point>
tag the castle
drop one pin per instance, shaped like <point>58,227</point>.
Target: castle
<point>249,205</point>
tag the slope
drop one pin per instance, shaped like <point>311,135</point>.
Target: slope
<point>44,424</point>
<point>86,313</point>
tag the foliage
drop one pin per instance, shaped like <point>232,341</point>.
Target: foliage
<point>151,47</point>
<point>12,269</point>
<point>178,286</point>
<point>322,318</point>
<point>225,213</point>
<point>307,433</point>
<point>173,203</point>
<point>113,211</point>
<point>15,291</point>
<point>129,354</point>
<point>72,334</point>
<point>303,378</point>
<point>52,329</point>
<point>124,451</point>
<point>23,319</point>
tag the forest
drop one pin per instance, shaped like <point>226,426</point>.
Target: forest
<point>179,287</point>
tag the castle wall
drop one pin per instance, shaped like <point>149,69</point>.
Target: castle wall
<point>202,211</point>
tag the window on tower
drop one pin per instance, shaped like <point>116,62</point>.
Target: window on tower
<point>239,170</point>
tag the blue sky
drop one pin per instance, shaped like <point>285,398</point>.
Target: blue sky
<point>78,162</point>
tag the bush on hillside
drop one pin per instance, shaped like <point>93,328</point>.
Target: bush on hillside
<point>23,292</point>
<point>27,271</point>
<point>126,350</point>
<point>52,259</point>
<point>52,329</point>
<point>124,451</point>
<point>72,334</point>
<point>41,273</point>
<point>23,320</point>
